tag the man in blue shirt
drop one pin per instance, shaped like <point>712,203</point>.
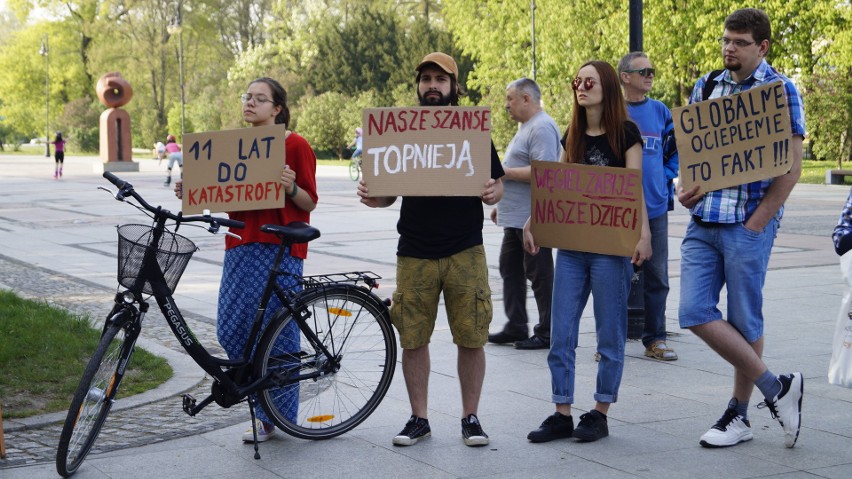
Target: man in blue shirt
<point>728,242</point>
<point>659,168</point>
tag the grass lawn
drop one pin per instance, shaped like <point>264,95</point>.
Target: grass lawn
<point>43,351</point>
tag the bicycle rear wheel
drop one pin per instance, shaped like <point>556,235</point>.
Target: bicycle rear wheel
<point>93,399</point>
<point>353,325</point>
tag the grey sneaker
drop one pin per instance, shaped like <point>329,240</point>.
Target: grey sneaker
<point>472,431</point>
<point>786,407</point>
<point>415,429</point>
<point>730,430</point>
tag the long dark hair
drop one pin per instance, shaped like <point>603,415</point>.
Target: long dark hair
<point>612,118</point>
<point>58,136</point>
<point>279,98</point>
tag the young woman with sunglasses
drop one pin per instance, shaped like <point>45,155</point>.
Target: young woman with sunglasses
<point>600,134</point>
<point>247,260</point>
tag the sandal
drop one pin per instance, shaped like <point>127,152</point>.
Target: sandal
<point>658,350</point>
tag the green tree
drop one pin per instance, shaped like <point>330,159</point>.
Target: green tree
<point>80,122</point>
<point>321,123</point>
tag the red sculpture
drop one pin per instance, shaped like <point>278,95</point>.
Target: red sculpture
<point>114,91</point>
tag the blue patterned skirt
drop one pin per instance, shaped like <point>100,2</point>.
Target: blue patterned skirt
<point>244,276</point>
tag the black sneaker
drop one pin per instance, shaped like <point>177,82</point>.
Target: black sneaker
<point>472,431</point>
<point>415,429</point>
<point>557,426</point>
<point>505,338</point>
<point>533,342</point>
<point>592,427</point>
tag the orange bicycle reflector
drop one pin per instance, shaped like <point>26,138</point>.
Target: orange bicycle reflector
<point>322,418</point>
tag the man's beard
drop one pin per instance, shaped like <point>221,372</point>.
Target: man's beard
<point>733,66</point>
<point>432,101</point>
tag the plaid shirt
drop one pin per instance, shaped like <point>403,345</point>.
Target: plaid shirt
<point>737,203</point>
<point>844,225</point>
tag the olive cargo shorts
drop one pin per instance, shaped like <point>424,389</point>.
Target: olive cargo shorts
<point>463,278</point>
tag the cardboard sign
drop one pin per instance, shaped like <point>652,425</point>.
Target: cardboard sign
<point>734,139</point>
<point>427,151</point>
<point>234,170</point>
<point>595,209</point>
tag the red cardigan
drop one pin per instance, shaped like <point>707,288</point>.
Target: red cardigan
<point>301,159</point>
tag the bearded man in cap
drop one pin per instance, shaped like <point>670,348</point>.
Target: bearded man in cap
<point>440,251</point>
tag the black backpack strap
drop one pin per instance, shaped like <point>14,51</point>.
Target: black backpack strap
<point>710,84</point>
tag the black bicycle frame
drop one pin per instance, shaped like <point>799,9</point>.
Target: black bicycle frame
<point>239,369</point>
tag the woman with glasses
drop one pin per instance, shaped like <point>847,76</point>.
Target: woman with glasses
<point>248,260</point>
<point>600,134</point>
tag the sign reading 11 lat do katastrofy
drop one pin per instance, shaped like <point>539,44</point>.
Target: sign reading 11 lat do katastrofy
<point>234,170</point>
<point>427,151</point>
<point>734,139</point>
<point>595,209</point>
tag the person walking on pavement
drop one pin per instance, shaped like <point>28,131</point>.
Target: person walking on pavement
<point>440,250</point>
<point>536,139</point>
<point>728,242</point>
<point>175,156</point>
<point>659,168</point>
<point>600,134</point>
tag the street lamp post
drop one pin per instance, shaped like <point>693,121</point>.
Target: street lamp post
<point>176,27</point>
<point>43,52</point>
<point>532,11</point>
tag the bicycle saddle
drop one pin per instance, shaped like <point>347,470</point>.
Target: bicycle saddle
<point>293,233</point>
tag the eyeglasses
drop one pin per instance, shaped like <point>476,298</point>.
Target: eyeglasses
<point>247,97</point>
<point>737,43</point>
<point>645,72</point>
<point>588,83</point>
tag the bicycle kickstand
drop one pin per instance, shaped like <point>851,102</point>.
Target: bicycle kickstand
<point>251,402</point>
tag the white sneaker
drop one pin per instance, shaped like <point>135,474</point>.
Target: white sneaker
<point>786,407</point>
<point>262,433</point>
<point>730,430</point>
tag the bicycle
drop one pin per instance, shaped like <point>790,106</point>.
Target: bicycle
<point>338,367</point>
<point>355,167</point>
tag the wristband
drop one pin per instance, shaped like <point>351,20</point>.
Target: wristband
<point>295,190</point>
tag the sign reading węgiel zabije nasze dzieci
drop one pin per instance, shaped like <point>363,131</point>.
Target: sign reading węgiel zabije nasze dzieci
<point>426,151</point>
<point>733,140</point>
<point>234,170</point>
<point>595,209</point>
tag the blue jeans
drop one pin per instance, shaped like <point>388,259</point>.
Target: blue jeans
<point>607,278</point>
<point>725,254</point>
<point>656,277</point>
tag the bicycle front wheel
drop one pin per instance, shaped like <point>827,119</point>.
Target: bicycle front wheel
<point>354,169</point>
<point>93,399</point>
<point>353,325</point>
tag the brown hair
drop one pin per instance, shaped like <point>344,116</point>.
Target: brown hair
<point>279,98</point>
<point>750,20</point>
<point>612,118</point>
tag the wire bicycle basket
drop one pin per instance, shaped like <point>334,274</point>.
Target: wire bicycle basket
<point>173,254</point>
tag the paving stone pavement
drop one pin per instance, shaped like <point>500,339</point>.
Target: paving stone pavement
<point>57,246</point>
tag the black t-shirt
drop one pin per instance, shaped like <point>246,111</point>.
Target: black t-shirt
<point>598,151</point>
<point>432,227</point>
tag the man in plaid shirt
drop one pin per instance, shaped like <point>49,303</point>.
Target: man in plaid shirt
<point>728,242</point>
<point>842,238</point>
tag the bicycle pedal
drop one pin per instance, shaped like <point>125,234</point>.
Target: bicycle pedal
<point>189,404</point>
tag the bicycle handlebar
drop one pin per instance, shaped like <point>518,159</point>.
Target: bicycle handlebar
<point>125,189</point>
